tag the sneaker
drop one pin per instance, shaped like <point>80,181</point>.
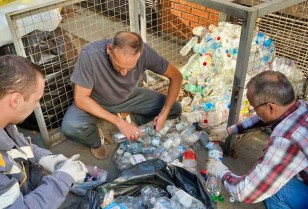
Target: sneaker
<point>100,152</point>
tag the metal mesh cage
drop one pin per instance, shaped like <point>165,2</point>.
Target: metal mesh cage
<point>53,34</point>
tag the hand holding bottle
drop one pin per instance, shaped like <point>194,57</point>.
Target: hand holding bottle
<point>216,168</point>
<point>218,134</point>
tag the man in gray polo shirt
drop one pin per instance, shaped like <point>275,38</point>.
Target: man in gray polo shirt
<point>106,78</point>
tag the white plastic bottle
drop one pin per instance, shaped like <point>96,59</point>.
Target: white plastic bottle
<point>190,44</point>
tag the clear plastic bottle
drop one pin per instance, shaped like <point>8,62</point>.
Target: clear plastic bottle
<point>186,200</point>
<point>168,144</point>
<point>172,154</point>
<point>119,137</point>
<point>165,129</point>
<point>213,183</point>
<point>204,138</point>
<point>195,116</point>
<point>190,44</point>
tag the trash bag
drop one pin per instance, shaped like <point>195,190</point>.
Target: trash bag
<point>152,172</point>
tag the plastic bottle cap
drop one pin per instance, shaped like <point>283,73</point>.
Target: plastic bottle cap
<point>205,120</point>
<point>214,197</point>
<point>189,154</point>
<point>218,38</point>
<point>221,198</point>
<point>203,171</point>
<point>204,63</point>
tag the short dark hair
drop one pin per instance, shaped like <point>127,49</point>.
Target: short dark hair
<point>18,74</point>
<point>127,39</point>
<point>271,86</point>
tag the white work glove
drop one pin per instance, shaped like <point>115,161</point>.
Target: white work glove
<point>216,168</point>
<point>218,134</point>
<point>76,169</point>
<point>50,161</point>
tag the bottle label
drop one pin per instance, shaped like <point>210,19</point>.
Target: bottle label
<point>215,154</point>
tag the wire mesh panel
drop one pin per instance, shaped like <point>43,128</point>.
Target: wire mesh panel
<point>169,25</point>
<point>55,48</point>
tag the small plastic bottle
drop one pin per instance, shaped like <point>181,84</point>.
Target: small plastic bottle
<point>190,44</point>
<point>190,161</point>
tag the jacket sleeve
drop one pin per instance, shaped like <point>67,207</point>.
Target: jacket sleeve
<point>50,194</point>
<point>39,152</point>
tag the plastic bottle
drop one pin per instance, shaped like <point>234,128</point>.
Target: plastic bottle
<point>195,116</point>
<point>119,137</point>
<point>137,148</point>
<point>181,196</point>
<point>190,44</point>
<point>172,154</point>
<point>166,127</point>
<point>186,200</point>
<point>190,161</point>
<point>204,138</point>
<point>171,142</point>
<point>213,183</point>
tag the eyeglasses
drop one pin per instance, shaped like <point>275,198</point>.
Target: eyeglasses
<point>254,109</point>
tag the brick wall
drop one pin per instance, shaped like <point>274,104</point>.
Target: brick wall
<point>179,17</point>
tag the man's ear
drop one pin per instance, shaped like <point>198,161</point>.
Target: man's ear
<point>272,108</point>
<point>15,99</point>
<point>108,48</point>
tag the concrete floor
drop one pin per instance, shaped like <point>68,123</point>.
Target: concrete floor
<point>247,150</point>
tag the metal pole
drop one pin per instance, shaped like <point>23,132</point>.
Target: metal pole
<point>21,51</point>
<point>241,71</point>
<point>133,16</point>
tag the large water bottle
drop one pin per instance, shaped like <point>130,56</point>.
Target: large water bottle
<point>190,44</point>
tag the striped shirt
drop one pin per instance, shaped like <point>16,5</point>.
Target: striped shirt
<point>284,157</point>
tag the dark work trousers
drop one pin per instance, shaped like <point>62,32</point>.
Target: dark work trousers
<point>144,104</point>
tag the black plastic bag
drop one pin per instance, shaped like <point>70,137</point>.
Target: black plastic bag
<point>152,172</point>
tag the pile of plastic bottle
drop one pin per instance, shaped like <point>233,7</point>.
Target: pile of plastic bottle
<point>209,72</point>
<point>169,144</point>
<point>152,197</point>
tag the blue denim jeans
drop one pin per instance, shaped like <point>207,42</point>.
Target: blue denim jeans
<point>293,195</point>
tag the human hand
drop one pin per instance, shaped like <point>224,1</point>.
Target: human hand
<point>50,161</point>
<point>218,134</point>
<point>130,131</point>
<point>159,122</point>
<point>76,169</point>
<point>216,167</point>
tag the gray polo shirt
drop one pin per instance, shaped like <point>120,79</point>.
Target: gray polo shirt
<point>93,70</point>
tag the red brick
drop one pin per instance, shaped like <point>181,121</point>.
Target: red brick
<point>182,8</point>
<point>190,17</point>
<point>176,12</point>
<point>213,17</point>
<point>200,13</point>
<point>183,2</point>
<point>212,11</point>
<point>185,22</point>
<point>194,24</point>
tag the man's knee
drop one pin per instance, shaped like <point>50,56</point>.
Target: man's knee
<point>70,130</point>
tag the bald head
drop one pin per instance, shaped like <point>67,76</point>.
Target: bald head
<point>131,42</point>
<point>271,86</point>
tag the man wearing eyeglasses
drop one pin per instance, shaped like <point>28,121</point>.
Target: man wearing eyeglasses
<point>106,78</point>
<point>280,176</point>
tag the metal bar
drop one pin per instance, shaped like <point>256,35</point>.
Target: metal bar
<point>274,6</point>
<point>241,71</point>
<point>224,6</point>
<point>133,16</point>
<point>143,20</point>
<point>41,7</point>
<point>21,51</point>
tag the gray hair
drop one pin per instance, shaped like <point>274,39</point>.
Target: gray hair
<point>271,86</point>
<point>18,74</point>
<point>129,40</point>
